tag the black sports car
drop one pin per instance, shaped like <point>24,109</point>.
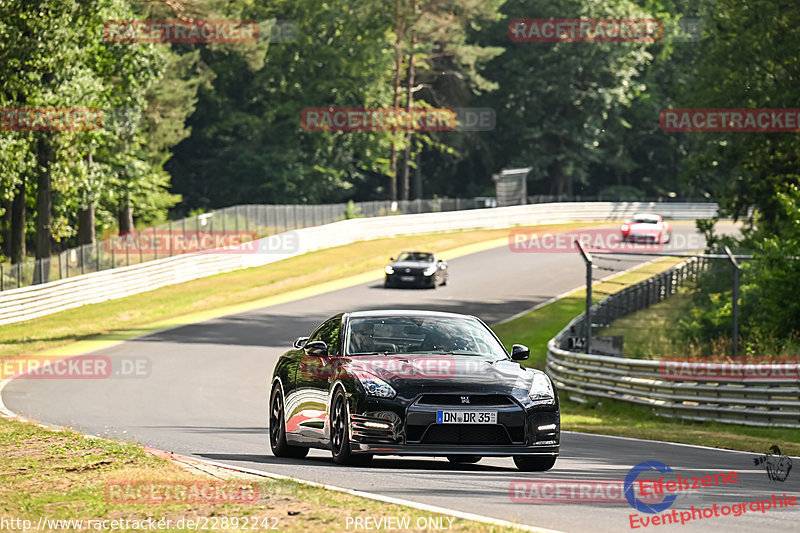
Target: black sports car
<point>420,269</point>
<point>412,383</point>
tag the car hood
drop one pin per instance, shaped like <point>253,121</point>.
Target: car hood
<point>645,228</point>
<point>412,264</point>
<point>442,373</point>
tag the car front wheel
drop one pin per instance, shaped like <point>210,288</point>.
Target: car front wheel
<point>532,463</point>
<point>340,435</point>
<point>277,430</point>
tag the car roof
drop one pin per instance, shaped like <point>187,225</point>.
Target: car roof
<point>416,252</point>
<point>406,312</point>
<point>646,215</point>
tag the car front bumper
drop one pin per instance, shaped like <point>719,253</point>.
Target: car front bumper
<point>401,427</point>
<point>453,449</point>
<point>410,280</point>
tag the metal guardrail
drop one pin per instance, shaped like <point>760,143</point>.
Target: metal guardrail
<point>21,304</point>
<point>251,220</point>
<point>771,398</point>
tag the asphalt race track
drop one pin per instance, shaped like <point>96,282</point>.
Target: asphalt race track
<point>205,394</point>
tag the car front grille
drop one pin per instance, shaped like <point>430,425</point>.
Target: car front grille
<point>409,271</point>
<point>466,434</point>
<point>483,400</point>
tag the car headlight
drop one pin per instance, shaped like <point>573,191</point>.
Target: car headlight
<point>430,270</point>
<point>541,388</point>
<point>625,228</point>
<point>389,269</point>
<point>375,386</point>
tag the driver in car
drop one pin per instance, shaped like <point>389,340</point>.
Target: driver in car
<point>361,338</point>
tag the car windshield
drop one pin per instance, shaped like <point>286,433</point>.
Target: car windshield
<point>640,219</point>
<point>421,335</point>
<point>416,256</point>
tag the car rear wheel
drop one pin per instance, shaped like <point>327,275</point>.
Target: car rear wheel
<point>463,459</point>
<point>340,435</point>
<point>528,463</point>
<point>277,430</point>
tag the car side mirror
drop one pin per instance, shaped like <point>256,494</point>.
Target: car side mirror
<point>316,348</point>
<point>299,342</point>
<point>520,352</point>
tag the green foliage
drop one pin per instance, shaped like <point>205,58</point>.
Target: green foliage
<point>351,210</point>
<point>749,59</point>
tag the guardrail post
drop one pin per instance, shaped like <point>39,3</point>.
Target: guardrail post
<point>735,303</point>
<point>587,258</point>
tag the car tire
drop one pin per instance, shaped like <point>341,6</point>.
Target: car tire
<point>533,463</point>
<point>387,283</point>
<point>464,459</point>
<point>340,435</point>
<point>277,430</point>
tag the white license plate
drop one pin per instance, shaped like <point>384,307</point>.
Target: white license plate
<point>406,278</point>
<point>466,417</point>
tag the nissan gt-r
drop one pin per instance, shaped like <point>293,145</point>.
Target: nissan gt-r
<point>418,383</point>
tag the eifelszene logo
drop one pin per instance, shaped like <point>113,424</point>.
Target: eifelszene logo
<point>778,466</point>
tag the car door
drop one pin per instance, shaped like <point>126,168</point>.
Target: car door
<point>309,410</point>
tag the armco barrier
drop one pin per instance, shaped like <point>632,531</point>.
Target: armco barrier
<point>771,399</point>
<point>25,303</point>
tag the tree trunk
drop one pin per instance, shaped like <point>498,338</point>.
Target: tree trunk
<point>86,223</point>
<point>44,205</point>
<point>398,64</point>
<point>5,248</point>
<point>409,105</point>
<point>125,216</point>
<point>86,231</point>
<point>17,241</point>
<point>418,180</point>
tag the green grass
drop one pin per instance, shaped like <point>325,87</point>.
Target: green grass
<point>651,333</point>
<point>62,476</point>
<point>608,417</point>
<point>534,329</point>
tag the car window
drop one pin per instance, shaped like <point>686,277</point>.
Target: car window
<point>329,333</point>
<point>416,256</point>
<point>645,220</point>
<point>421,335</point>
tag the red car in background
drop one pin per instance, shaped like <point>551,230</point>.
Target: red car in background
<point>646,227</point>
